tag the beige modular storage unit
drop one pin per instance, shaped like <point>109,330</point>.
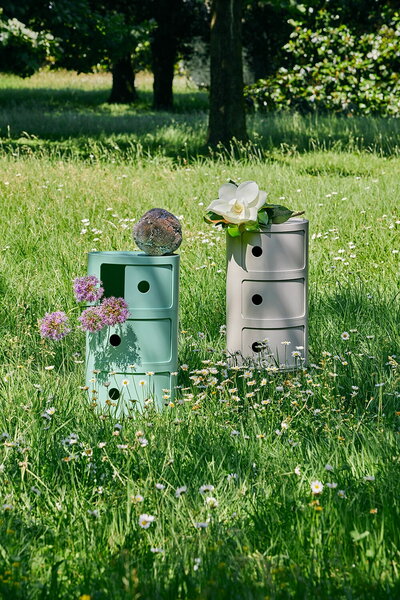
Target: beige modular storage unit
<point>266,295</point>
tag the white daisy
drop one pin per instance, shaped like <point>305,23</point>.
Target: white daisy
<point>146,520</point>
<point>317,487</point>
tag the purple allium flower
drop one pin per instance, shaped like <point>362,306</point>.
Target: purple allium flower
<point>88,289</point>
<point>92,319</point>
<point>54,325</point>
<point>114,310</point>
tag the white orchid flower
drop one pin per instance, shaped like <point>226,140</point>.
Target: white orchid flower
<point>238,204</point>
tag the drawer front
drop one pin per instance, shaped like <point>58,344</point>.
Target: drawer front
<point>138,342</point>
<point>123,393</point>
<point>274,299</point>
<point>149,286</point>
<point>271,344</point>
<point>274,251</point>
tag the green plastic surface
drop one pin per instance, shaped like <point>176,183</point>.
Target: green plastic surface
<point>147,342</point>
<point>121,394</point>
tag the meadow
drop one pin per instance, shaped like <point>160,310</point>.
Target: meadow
<point>226,472</point>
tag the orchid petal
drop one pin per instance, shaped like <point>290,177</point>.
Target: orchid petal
<point>231,213</point>
<point>233,217</point>
<point>247,192</point>
<point>217,206</point>
<point>227,192</point>
<point>258,201</point>
<point>233,220</point>
<point>262,196</point>
<point>253,213</point>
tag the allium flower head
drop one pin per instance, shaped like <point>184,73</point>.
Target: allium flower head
<point>114,310</point>
<point>88,289</point>
<point>54,325</point>
<point>92,319</point>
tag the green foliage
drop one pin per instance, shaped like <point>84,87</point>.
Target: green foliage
<point>22,50</point>
<point>330,68</point>
<point>277,214</point>
<point>97,35</point>
<point>84,36</point>
<point>80,123</point>
<point>69,512</point>
<point>265,31</point>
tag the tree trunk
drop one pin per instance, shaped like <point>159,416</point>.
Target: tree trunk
<point>227,118</point>
<point>123,82</point>
<point>164,53</point>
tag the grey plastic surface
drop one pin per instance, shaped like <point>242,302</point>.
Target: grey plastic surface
<point>266,296</point>
<point>120,358</point>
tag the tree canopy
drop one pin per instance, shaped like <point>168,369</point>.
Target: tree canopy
<point>291,47</point>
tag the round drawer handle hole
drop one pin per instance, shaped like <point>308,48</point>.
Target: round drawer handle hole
<point>114,394</point>
<point>143,286</point>
<point>256,251</point>
<point>256,347</point>
<point>115,339</point>
<point>257,299</point>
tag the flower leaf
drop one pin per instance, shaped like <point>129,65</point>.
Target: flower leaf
<point>279,214</point>
<point>233,230</point>
<point>251,226</point>
<point>213,218</point>
<point>263,217</point>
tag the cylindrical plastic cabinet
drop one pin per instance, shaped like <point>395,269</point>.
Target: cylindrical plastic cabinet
<point>135,362</point>
<point>266,295</point>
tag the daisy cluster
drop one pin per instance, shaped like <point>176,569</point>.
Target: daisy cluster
<point>261,426</point>
<point>111,222</point>
<point>287,399</point>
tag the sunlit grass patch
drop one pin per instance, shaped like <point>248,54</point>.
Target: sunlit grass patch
<point>72,110</point>
<point>215,497</point>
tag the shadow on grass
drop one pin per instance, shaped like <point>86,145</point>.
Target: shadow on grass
<point>73,122</point>
<point>69,97</point>
<point>51,98</point>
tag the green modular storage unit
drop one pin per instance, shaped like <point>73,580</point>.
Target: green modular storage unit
<point>134,363</point>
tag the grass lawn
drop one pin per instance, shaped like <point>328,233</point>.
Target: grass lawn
<point>226,469</point>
